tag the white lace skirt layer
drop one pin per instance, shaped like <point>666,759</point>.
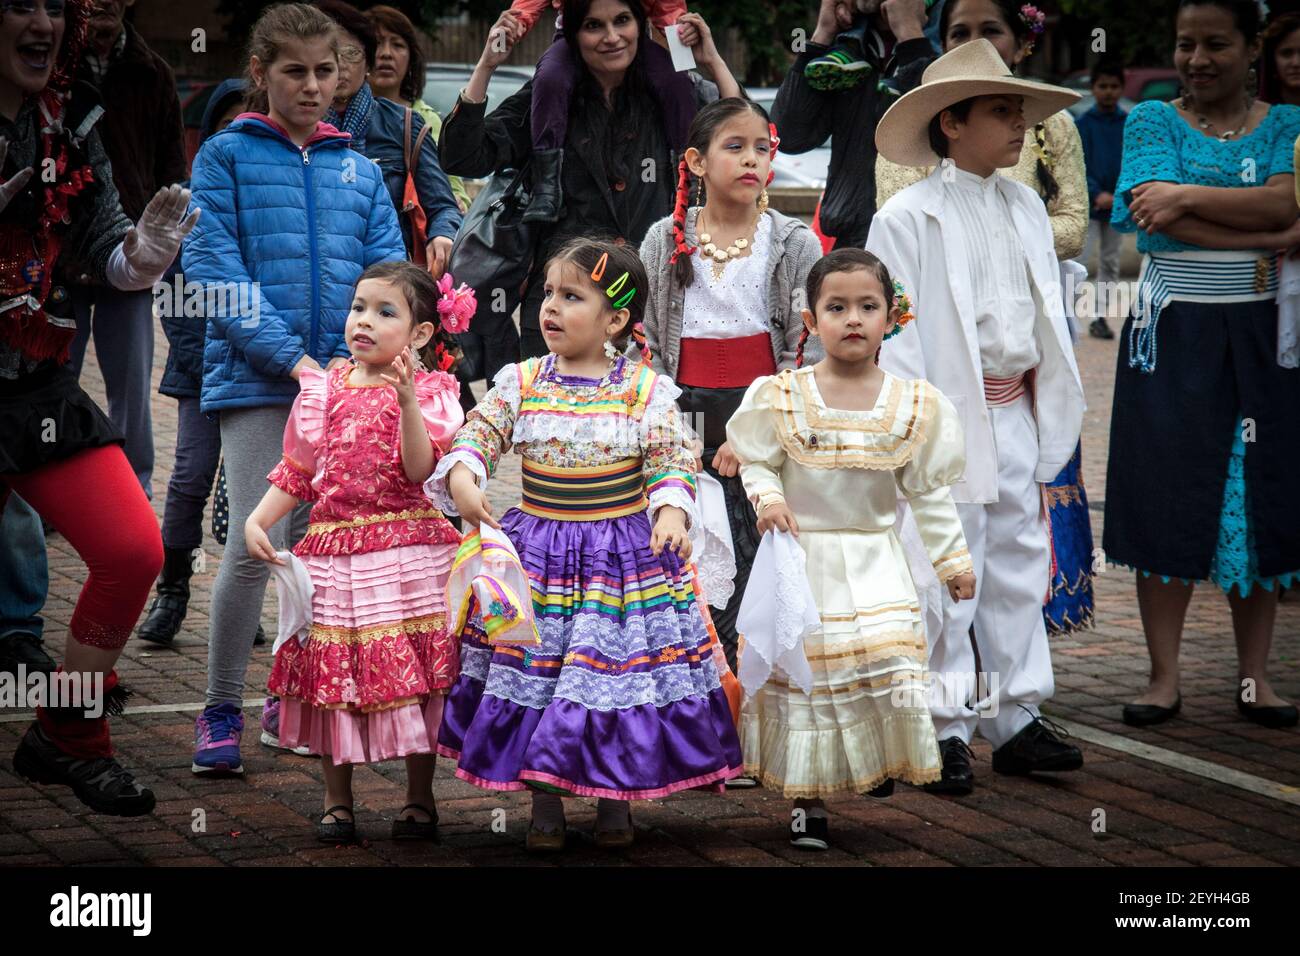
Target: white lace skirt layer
<point>866,719</point>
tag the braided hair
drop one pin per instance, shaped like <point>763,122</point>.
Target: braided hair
<point>442,352</point>
<point>615,270</point>
<point>700,137</point>
<point>1012,20</point>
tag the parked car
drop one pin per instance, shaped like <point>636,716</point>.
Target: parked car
<point>1140,83</point>
<point>444,81</point>
<point>795,171</point>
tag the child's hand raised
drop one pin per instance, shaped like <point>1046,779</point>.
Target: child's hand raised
<point>962,587</point>
<point>471,502</point>
<point>777,516</point>
<point>670,532</point>
<point>258,544</point>
<point>403,379</point>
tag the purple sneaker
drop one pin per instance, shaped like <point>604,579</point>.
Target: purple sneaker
<point>216,740</point>
<point>271,729</point>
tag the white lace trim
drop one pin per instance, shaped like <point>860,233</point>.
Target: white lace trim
<point>661,423</point>
<point>676,498</point>
<point>435,486</point>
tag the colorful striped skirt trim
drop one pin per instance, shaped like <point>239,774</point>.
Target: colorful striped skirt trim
<point>583,494</point>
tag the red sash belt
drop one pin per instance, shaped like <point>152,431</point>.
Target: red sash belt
<point>1004,391</point>
<point>725,363</point>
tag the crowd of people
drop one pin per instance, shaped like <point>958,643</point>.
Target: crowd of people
<point>781,509</point>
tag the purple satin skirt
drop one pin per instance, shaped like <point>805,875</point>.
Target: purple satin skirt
<point>621,699</point>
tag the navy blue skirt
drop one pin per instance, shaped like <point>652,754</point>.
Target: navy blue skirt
<point>1172,432</point>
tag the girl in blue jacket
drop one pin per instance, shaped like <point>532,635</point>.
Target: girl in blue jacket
<point>292,217</point>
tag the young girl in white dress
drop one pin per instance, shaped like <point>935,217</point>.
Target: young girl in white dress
<point>825,451</point>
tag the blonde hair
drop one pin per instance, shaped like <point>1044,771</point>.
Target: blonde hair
<point>280,24</point>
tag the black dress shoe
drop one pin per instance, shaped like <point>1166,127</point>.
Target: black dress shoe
<point>1275,717</point>
<point>1037,749</point>
<point>1147,715</point>
<point>810,833</point>
<point>958,779</point>
<point>259,636</point>
<point>339,829</point>
<point>101,783</point>
<point>417,829</point>
<point>24,648</point>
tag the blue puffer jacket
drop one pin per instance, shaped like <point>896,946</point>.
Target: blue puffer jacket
<point>284,236</point>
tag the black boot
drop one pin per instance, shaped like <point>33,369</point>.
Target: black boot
<point>548,196</point>
<point>167,612</point>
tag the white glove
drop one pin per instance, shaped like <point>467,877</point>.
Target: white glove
<point>11,188</point>
<point>152,243</point>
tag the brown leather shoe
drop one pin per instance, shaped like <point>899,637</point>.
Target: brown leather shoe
<point>540,841</point>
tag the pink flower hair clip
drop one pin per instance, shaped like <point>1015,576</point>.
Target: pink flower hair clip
<point>1036,21</point>
<point>455,306</point>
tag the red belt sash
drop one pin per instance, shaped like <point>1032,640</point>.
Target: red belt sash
<point>725,363</point>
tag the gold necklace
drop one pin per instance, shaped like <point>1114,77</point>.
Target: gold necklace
<point>720,257</point>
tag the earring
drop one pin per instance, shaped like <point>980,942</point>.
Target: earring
<point>419,365</point>
<point>762,202</point>
<point>1252,82</point>
<point>611,350</point>
<point>699,192</point>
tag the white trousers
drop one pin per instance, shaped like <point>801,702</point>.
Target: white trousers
<point>1012,558</point>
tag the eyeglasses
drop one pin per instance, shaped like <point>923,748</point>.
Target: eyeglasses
<point>54,9</point>
<point>351,54</point>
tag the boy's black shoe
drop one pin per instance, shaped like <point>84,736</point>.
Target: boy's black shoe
<point>1037,749</point>
<point>810,833</point>
<point>25,649</point>
<point>101,783</point>
<point>1100,329</point>
<point>958,779</point>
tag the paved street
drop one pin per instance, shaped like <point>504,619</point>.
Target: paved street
<point>1205,789</point>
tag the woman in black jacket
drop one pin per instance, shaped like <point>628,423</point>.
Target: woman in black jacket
<point>619,172</point>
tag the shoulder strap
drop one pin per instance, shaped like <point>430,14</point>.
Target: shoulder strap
<point>413,154</point>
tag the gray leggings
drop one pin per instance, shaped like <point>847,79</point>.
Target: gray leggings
<point>251,442</point>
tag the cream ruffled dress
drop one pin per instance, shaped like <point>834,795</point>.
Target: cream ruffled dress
<point>841,473</point>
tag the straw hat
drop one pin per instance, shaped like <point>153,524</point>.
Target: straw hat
<point>972,69</point>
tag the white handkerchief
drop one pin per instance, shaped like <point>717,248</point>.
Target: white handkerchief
<point>776,613</point>
<point>715,552</point>
<point>683,56</point>
<point>295,589</point>
<point>1288,313</point>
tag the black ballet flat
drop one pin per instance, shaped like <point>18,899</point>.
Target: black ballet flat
<point>1148,715</point>
<point>340,831</point>
<point>885,789</point>
<point>417,829</point>
<point>1275,717</point>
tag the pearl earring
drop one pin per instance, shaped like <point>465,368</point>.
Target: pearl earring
<point>611,351</point>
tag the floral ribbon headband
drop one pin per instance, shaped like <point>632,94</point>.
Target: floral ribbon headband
<point>904,306</point>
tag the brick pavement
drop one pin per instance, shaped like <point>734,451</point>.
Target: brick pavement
<point>1155,814</point>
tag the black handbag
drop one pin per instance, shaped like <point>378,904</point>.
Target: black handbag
<point>493,254</point>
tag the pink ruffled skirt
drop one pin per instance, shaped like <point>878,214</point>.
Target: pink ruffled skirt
<point>368,683</point>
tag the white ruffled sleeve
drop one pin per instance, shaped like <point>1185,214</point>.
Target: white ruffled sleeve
<point>667,463</point>
<point>925,480</point>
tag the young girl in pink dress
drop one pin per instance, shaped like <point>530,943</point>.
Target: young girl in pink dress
<point>367,683</point>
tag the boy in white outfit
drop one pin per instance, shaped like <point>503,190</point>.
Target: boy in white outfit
<point>974,251</point>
